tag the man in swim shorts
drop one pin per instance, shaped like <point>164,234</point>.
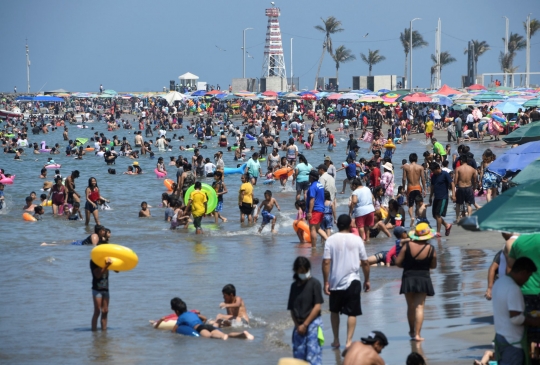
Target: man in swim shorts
<point>72,195</point>
<point>416,183</point>
<point>465,181</point>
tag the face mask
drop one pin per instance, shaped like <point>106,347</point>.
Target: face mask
<point>304,276</point>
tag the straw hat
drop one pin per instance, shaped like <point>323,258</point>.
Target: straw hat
<point>135,163</point>
<point>389,144</point>
<point>422,232</point>
<point>47,185</point>
<point>388,166</point>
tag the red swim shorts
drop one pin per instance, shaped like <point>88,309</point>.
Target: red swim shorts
<point>316,218</point>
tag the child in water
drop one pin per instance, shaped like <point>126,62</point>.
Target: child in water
<point>144,212</point>
<point>194,321</point>
<point>38,212</point>
<point>236,309</point>
<point>300,206</point>
<point>76,212</point>
<point>401,197</point>
<point>266,207</point>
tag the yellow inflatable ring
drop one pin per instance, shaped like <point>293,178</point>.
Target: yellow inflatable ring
<point>123,258</point>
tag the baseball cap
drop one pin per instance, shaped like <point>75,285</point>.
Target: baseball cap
<point>322,167</point>
<point>375,336</point>
<point>314,174</point>
<point>398,231</point>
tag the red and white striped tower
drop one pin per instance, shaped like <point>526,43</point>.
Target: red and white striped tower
<point>274,63</point>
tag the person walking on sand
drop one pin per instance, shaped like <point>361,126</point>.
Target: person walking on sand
<point>464,185</point>
<point>441,182</point>
<point>416,183</point>
<point>344,253</point>
<point>416,258</point>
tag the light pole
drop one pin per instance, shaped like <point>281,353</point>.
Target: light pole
<point>27,68</point>
<point>506,43</point>
<point>244,53</point>
<point>528,57</point>
<point>410,52</point>
<point>292,82</point>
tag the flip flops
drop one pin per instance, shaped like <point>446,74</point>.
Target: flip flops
<point>447,230</point>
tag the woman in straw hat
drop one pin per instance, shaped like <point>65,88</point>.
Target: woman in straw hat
<point>417,258</point>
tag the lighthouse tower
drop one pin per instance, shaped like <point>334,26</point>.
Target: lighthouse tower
<point>274,63</point>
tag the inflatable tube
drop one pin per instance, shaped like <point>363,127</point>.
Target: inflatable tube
<point>170,321</point>
<point>210,195</point>
<point>28,217</point>
<point>8,180</point>
<point>262,159</point>
<point>123,258</point>
<point>384,213</point>
<point>304,227</point>
<point>237,170</point>
<point>267,182</point>
<point>234,148</point>
<point>168,184</point>
<point>498,118</point>
<point>250,137</point>
<point>45,150</point>
<point>160,174</point>
<point>48,203</point>
<point>81,141</point>
<point>283,172</point>
<point>82,126</point>
<point>53,166</point>
<point>89,149</point>
<point>11,135</point>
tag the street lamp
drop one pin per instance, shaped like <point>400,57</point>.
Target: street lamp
<point>410,51</point>
<point>244,53</point>
<point>506,43</point>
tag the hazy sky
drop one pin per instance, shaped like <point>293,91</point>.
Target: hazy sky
<point>140,45</point>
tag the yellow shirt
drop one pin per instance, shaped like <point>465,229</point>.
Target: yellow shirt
<point>248,193</point>
<point>198,198</point>
<point>429,126</point>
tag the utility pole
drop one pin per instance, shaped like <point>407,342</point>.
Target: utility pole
<point>410,52</point>
<point>27,68</point>
<point>528,57</point>
<point>292,82</point>
<point>437,81</point>
<point>506,44</point>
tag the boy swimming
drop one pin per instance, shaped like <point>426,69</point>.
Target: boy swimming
<point>265,208</point>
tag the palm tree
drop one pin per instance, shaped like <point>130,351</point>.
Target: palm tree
<point>445,59</point>
<point>507,65</point>
<point>516,42</point>
<point>417,42</point>
<point>480,47</point>
<point>372,58</point>
<point>341,55</point>
<point>330,26</point>
<point>535,26</point>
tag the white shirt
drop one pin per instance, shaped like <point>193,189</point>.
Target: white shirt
<point>470,118</point>
<point>209,168</point>
<point>345,250</point>
<point>22,143</point>
<point>364,203</point>
<point>506,297</point>
<point>97,145</point>
<point>329,184</point>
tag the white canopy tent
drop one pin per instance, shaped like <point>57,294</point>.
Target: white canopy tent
<point>173,96</point>
<point>188,79</point>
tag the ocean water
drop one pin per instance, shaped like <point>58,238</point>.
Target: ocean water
<point>45,299</point>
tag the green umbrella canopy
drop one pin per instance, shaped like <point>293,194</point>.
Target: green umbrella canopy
<point>489,96</point>
<point>527,133</point>
<point>515,210</point>
<point>532,102</point>
<point>528,174</point>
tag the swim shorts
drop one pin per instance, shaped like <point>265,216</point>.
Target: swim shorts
<point>464,195</point>
<point>412,197</point>
<point>267,217</point>
<point>316,218</point>
<point>439,207</point>
<point>219,206</point>
<point>101,294</point>
<point>246,208</point>
<point>207,327</point>
<point>89,207</point>
<point>197,221</point>
<point>347,301</point>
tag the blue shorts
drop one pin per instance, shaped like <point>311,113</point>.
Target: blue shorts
<point>327,222</point>
<point>219,206</point>
<point>267,217</point>
<point>253,177</point>
<point>100,294</point>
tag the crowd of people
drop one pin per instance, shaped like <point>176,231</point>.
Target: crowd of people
<point>377,203</point>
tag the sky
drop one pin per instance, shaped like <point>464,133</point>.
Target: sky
<point>134,45</point>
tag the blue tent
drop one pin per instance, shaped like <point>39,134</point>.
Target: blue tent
<point>48,98</point>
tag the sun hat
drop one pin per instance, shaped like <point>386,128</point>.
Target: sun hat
<point>328,158</point>
<point>375,336</point>
<point>388,166</point>
<point>135,163</point>
<point>422,232</point>
<point>389,144</point>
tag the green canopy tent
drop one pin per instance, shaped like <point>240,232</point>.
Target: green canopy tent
<point>528,174</point>
<point>532,103</point>
<point>515,210</point>
<point>527,133</point>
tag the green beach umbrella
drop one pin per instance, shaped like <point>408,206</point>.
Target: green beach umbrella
<point>527,133</point>
<point>532,103</point>
<point>528,174</point>
<point>489,96</point>
<point>515,210</point>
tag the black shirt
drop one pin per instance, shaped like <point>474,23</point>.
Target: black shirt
<point>302,298</point>
<point>441,183</point>
<point>99,284</point>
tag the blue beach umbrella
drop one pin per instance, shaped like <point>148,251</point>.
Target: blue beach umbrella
<point>199,93</point>
<point>508,107</point>
<point>516,159</point>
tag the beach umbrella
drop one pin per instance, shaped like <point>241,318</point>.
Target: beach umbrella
<point>516,159</point>
<point>334,96</point>
<point>528,174</point>
<point>305,93</point>
<point>291,96</point>
<point>173,96</point>
<point>270,93</point>
<point>198,93</point>
<point>230,97</point>
<point>441,100</point>
<point>361,91</point>
<point>323,94</point>
<point>488,96</point>
<point>383,91</point>
<point>532,103</point>
<point>517,100</point>
<point>447,90</point>
<point>417,98</point>
<point>214,92</point>
<point>515,210</point>
<point>508,107</point>
<point>527,133</point>
<point>370,99</point>
<point>476,87</point>
<point>309,96</point>
<point>349,96</point>
<point>110,92</point>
